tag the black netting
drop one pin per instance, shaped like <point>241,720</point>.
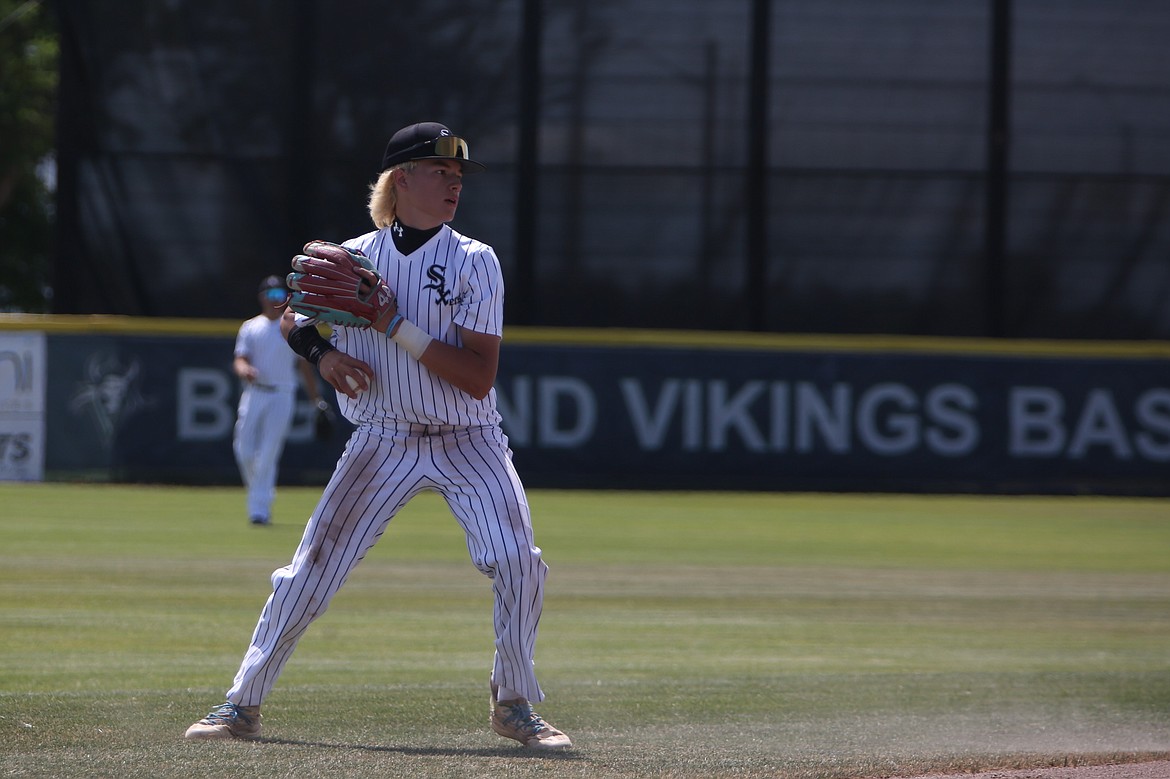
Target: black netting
<point>204,142</point>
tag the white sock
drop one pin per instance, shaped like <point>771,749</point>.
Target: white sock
<point>504,694</point>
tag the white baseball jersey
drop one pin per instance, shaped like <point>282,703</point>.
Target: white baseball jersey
<point>260,341</point>
<point>415,432</point>
<point>450,281</point>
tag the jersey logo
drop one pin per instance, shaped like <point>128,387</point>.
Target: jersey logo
<point>443,296</point>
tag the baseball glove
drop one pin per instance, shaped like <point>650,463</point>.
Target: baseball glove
<point>323,424</point>
<point>338,286</point>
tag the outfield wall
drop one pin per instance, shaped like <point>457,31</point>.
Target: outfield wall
<point>137,400</point>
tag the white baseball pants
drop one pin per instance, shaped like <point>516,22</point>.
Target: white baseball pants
<point>262,424</point>
<point>381,469</point>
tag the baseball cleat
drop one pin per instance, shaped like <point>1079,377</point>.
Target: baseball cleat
<point>258,520</point>
<point>227,721</point>
<point>516,720</point>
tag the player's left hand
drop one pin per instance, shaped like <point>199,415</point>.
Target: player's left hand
<point>340,286</point>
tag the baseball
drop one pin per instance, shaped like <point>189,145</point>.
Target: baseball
<point>352,382</point>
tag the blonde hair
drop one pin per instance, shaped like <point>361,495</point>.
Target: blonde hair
<point>384,196</point>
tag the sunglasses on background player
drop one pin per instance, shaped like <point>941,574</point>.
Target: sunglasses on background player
<point>275,295</point>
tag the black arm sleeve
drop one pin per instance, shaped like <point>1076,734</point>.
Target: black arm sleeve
<point>309,343</point>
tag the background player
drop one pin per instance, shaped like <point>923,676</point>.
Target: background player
<point>268,369</point>
<point>423,403</point>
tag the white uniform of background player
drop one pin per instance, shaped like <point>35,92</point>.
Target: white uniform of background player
<point>425,416</point>
<point>268,368</point>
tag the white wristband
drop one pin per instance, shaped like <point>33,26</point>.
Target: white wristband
<point>411,338</point>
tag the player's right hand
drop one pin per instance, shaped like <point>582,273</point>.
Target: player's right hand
<point>337,367</point>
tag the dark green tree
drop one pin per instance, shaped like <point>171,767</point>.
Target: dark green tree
<point>28,91</point>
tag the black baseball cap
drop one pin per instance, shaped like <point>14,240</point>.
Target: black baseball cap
<point>428,141</point>
<point>271,282</point>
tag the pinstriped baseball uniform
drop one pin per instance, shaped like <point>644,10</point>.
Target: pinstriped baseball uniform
<point>415,432</point>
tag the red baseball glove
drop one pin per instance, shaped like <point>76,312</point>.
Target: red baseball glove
<point>339,286</point>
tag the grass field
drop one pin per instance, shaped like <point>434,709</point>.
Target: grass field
<point>685,635</point>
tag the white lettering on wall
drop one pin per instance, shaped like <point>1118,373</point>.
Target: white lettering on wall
<point>732,411</point>
<point>557,398</point>
<point>651,424</point>
<point>1153,413</point>
<point>206,408</point>
<point>1042,423</point>
<point>1100,425</point>
<point>889,419</point>
<point>897,432</point>
<point>576,395</point>
<point>955,431</point>
<point>515,406</point>
<point>831,419</point>
<point>1034,422</point>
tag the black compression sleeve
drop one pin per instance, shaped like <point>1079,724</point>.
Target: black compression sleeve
<point>309,343</point>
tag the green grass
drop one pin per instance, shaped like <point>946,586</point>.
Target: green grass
<point>685,635</point>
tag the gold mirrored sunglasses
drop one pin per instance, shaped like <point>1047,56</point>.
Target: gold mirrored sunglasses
<point>446,147</point>
<point>451,146</point>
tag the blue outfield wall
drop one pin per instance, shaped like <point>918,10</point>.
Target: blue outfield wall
<point>655,410</point>
<point>859,414</point>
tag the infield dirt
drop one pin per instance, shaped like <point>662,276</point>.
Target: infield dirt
<point>1155,770</point>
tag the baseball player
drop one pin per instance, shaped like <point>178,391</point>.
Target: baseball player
<point>268,371</point>
<point>413,357</point>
